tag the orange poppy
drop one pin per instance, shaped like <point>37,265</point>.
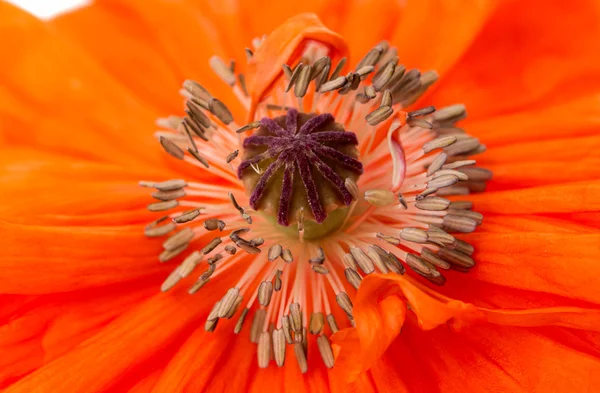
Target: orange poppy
<point>302,183</point>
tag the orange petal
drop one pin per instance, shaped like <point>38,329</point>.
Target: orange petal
<point>433,34</point>
<point>558,198</point>
<point>498,359</point>
<point>51,326</point>
<point>556,263</point>
<point>201,356</point>
<point>570,118</point>
<point>379,19</point>
<point>522,58</point>
<point>284,46</point>
<point>566,149</point>
<point>182,49</point>
<point>73,107</point>
<point>544,172</point>
<point>58,213</point>
<point>535,223</point>
<point>160,323</point>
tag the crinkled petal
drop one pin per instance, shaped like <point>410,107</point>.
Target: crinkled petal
<point>283,46</point>
<point>432,310</point>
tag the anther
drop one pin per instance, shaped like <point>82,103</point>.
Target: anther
<point>279,347</point>
<point>459,164</point>
<point>162,206</point>
<point>278,283</point>
<point>425,193</point>
<point>264,350</point>
<point>177,240</point>
<point>325,351</point>
<point>379,115</point>
<point>377,259</point>
<point>258,322</point>
<point>437,163</point>
<point>220,110</point>
<point>459,224</point>
<point>197,286</point>
<point>319,269</point>
<point>353,277</point>
<point>319,258</point>
<point>248,127</point>
<point>415,235</point>
<point>450,114</point>
<point>168,195</point>
<point>345,303</point>
<point>232,156</point>
<point>227,302</point>
<point>265,291</point>
<point>433,204</point>
<point>287,329</point>
<point>439,143</point>
<point>189,263</point>
<point>171,148</point>
<point>319,66</point>
<point>333,84</point>
<point>196,90</point>
<point>332,323</point>
<point>300,357</point>
<point>211,325</point>
<point>429,256</point>
<point>382,78</point>
<point>349,261</point>
<point>394,264</point>
<point>213,224</point>
<point>295,317</point>
<point>463,146</point>
<point>362,260</point>
<point>301,85</point>
<point>442,172</point>
<point>442,181</point>
<point>274,252</point>
<point>464,247</point>
<point>421,112</point>
<point>419,123</point>
<point>461,205</point>
<point>417,264</point>
<point>317,322</point>
<point>456,258</point>
<point>287,256</point>
<point>187,216</point>
<point>240,322</point>
<point>389,239</point>
<point>214,259</point>
<point>249,248</point>
<point>152,230</point>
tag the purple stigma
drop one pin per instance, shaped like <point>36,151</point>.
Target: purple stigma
<point>303,150</point>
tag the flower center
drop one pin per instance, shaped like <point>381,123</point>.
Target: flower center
<point>296,167</point>
<point>352,182</point>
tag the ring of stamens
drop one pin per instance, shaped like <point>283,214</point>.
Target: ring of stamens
<point>398,218</point>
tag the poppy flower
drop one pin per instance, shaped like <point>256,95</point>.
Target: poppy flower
<point>312,216</point>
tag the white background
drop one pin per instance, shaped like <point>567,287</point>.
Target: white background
<point>47,8</point>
